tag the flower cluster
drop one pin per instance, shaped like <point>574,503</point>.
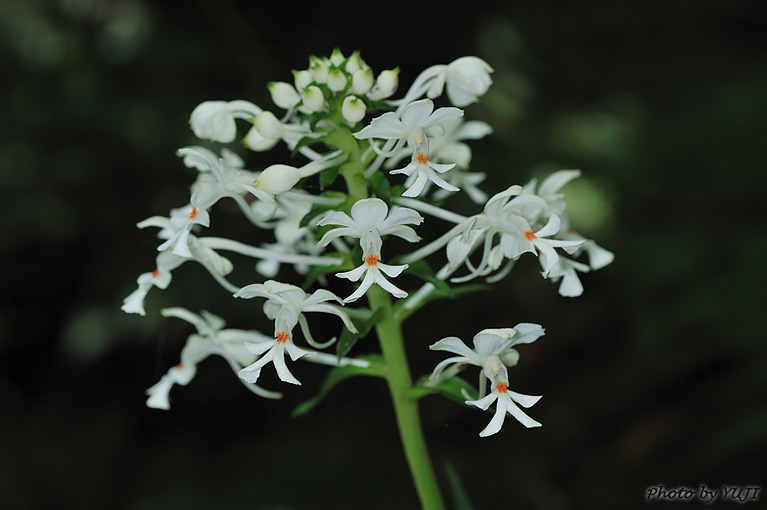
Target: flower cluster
<point>366,166</point>
<point>494,354</point>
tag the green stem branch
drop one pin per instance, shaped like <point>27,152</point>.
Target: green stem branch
<point>405,406</point>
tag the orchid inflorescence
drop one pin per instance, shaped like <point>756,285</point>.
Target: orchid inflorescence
<point>322,119</point>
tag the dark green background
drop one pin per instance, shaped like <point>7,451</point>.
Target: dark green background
<point>656,375</point>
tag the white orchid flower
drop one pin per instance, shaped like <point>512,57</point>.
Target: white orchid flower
<point>505,402</point>
<point>374,270</point>
<point>215,120</point>
<point>219,177</point>
<point>508,216</point>
<point>566,270</point>
<point>518,238</point>
<point>273,350</point>
<point>492,352</point>
<point>210,339</point>
<point>370,219</point>
<point>417,121</point>
<point>286,305</point>
<point>454,157</point>
<point>182,220</point>
<point>422,170</point>
<point>160,278</point>
<point>467,78</point>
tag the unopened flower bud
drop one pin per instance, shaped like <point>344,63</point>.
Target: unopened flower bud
<point>277,179</point>
<point>302,79</point>
<point>362,80</point>
<point>354,63</point>
<point>268,125</point>
<point>386,85</point>
<point>255,141</point>
<point>319,69</point>
<point>337,58</point>
<point>353,109</point>
<point>336,80</point>
<point>283,94</point>
<point>313,99</point>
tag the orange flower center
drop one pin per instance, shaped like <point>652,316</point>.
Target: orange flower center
<point>501,387</point>
<point>371,260</point>
<point>156,273</point>
<point>193,214</point>
<point>529,235</point>
<point>180,366</point>
<point>282,337</point>
<point>422,158</point>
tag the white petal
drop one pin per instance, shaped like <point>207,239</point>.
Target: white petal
<point>416,113</point>
<point>554,182</point>
<point>517,413</point>
<point>417,187</point>
<point>354,274</point>
<point>571,285</point>
<point>282,369</point>
<point>455,345</point>
<point>158,394</point>
<point>522,399</point>
<point>551,228</point>
<point>527,333</point>
<point>598,256</point>
<point>484,402</point>
<point>367,282</point>
<point>391,271</point>
<point>369,211</point>
<point>496,423</point>
<point>442,115</point>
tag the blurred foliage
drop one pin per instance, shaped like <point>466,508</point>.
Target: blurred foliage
<point>655,375</point>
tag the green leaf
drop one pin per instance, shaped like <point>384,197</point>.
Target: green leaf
<point>450,388</point>
<point>317,271</point>
<point>380,186</point>
<point>348,339</point>
<point>318,209</point>
<point>458,494</point>
<point>327,176</point>
<point>421,269</point>
<point>377,368</point>
<point>303,142</point>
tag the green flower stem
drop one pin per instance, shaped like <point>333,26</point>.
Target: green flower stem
<point>405,406</point>
<point>390,338</point>
<point>353,170</point>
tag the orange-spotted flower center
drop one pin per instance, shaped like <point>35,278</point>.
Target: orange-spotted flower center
<point>156,273</point>
<point>422,158</point>
<point>529,235</point>
<point>501,387</point>
<point>282,337</point>
<point>193,214</point>
<point>371,259</point>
